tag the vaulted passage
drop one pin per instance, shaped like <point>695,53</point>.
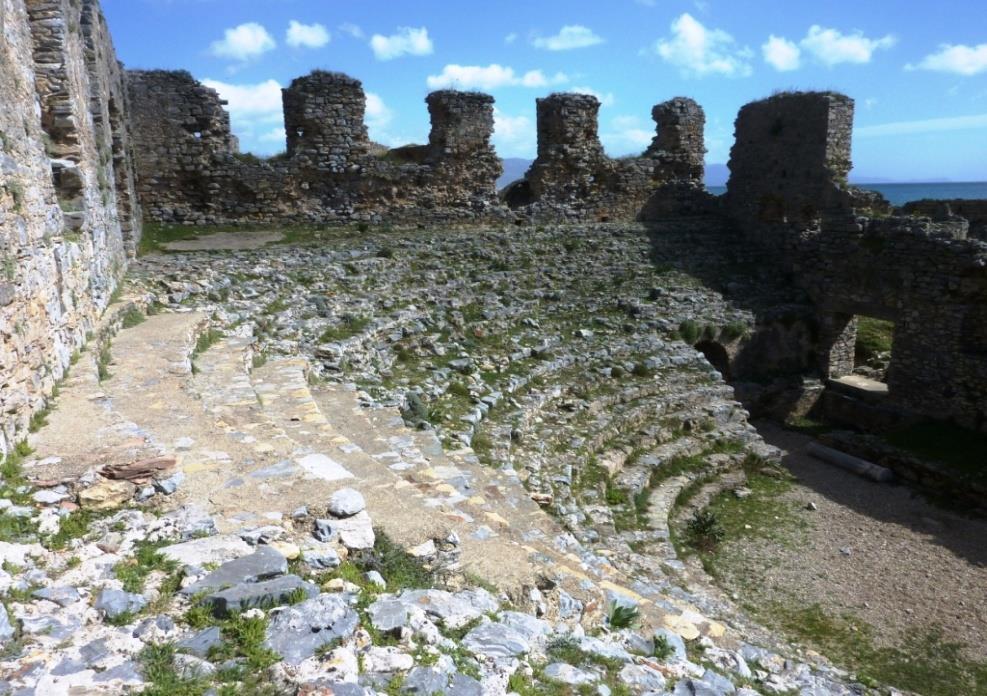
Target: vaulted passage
<point>717,356</point>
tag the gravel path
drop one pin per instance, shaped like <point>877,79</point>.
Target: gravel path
<point>875,551</point>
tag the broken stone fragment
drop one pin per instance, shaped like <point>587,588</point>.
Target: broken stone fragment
<point>198,552</point>
<point>142,470</point>
<point>496,640</point>
<point>170,484</point>
<point>258,594</point>
<point>198,644</point>
<point>262,564</point>
<point>114,603</point>
<point>106,494</point>
<point>62,596</point>
<point>354,532</point>
<point>296,632</point>
<point>346,502</point>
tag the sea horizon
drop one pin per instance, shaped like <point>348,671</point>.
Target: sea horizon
<point>901,193</point>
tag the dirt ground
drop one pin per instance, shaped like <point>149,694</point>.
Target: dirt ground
<point>875,551</point>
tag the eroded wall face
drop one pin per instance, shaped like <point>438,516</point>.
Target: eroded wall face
<point>323,118</point>
<point>573,178</point>
<point>64,236</point>
<point>190,172</point>
<point>790,161</point>
<point>679,147</point>
<point>788,193</point>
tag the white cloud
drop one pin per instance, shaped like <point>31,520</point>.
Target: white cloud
<point>699,51</point>
<point>781,54</point>
<point>605,99</point>
<point>490,77</point>
<point>378,115</point>
<point>307,35</point>
<point>249,100</point>
<point>243,42</point>
<point>514,136</point>
<point>407,41</point>
<point>510,38</point>
<point>351,29</point>
<point>275,135</point>
<point>932,125</point>
<point>569,37</point>
<point>957,59</point>
<point>626,135</point>
<point>256,116</point>
<point>831,47</point>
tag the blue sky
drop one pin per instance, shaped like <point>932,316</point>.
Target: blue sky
<point>918,70</point>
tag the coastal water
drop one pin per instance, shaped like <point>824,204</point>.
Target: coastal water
<point>899,194</point>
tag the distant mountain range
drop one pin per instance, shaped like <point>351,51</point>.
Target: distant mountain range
<point>716,175</point>
<point>514,169</point>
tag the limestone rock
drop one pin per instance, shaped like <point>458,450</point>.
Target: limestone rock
<point>106,494</point>
<point>296,632</point>
<point>114,603</point>
<point>346,502</point>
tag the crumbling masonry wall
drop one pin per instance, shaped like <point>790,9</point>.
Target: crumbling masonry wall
<point>190,172</point>
<point>972,210</point>
<point>69,217</point>
<point>788,192</point>
<point>573,178</point>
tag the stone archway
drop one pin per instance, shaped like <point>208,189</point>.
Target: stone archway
<point>717,356</point>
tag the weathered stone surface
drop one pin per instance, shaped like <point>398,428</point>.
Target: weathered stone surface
<point>6,628</point>
<point>258,594</point>
<point>199,643</point>
<point>63,596</point>
<point>114,603</point>
<point>567,674</point>
<point>356,532</point>
<point>346,502</point>
<point>198,552</point>
<point>296,632</point>
<point>68,205</point>
<point>262,564</point>
<point>106,494</point>
<point>496,640</point>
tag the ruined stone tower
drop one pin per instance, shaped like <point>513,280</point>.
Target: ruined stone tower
<point>323,118</point>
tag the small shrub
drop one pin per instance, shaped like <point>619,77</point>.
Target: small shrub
<point>689,331</point>
<point>705,531</point>
<point>158,669</point>
<point>662,649</point>
<point>623,616</point>
<point>103,364</point>
<point>132,317</point>
<point>458,389</point>
<point>733,331</point>
<point>641,370</point>
<point>400,569</point>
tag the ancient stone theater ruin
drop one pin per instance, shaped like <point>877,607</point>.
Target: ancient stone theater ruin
<point>351,420</point>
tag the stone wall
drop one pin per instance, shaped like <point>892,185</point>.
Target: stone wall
<point>788,192</point>
<point>973,211</point>
<point>573,179</point>
<point>323,119</point>
<point>69,217</point>
<point>190,171</point>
